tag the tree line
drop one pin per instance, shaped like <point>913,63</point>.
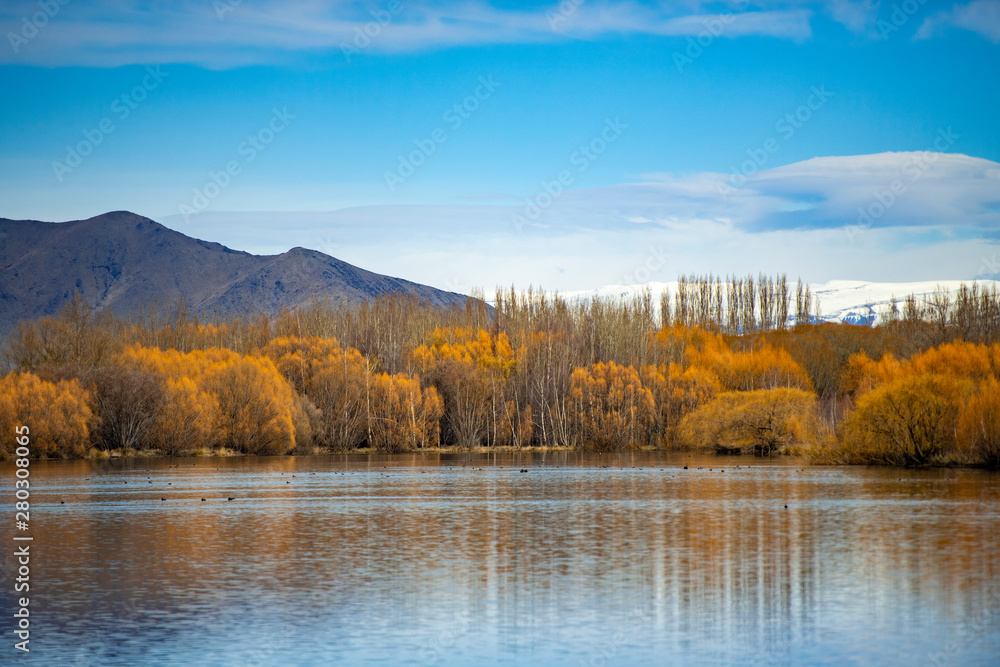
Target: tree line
<point>735,364</point>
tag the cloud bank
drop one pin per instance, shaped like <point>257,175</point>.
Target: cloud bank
<point>228,33</point>
<point>889,216</point>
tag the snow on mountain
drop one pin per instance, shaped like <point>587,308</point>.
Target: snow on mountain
<point>859,302</point>
<point>852,301</point>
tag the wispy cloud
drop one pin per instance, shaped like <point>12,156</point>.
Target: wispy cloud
<point>979,16</point>
<point>925,189</point>
<point>856,16</point>
<point>801,218</point>
<point>228,33</point>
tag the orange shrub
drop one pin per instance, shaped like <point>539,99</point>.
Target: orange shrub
<point>908,421</point>
<point>762,421</point>
<point>402,416</point>
<point>968,361</point>
<point>864,374</point>
<point>609,408</point>
<point>188,420</point>
<point>764,368</point>
<point>979,424</point>
<point>57,414</point>
<point>470,368</point>
<point>256,405</point>
<point>339,387</point>
<point>959,359</point>
<point>300,359</point>
<point>355,405</point>
<point>677,391</point>
<point>253,409</point>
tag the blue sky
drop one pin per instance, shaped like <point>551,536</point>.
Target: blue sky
<point>570,145</point>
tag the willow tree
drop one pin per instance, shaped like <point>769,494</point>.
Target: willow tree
<point>57,414</point>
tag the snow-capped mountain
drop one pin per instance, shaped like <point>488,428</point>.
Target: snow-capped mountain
<point>859,302</point>
<point>852,301</point>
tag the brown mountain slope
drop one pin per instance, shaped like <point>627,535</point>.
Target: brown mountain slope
<point>125,262</point>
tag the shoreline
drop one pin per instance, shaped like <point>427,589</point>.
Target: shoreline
<point>97,456</point>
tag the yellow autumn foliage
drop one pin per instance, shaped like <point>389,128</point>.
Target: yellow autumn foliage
<point>252,409</point>
<point>598,375</point>
<point>470,369</point>
<point>764,368</point>
<point>979,424</point>
<point>340,388</point>
<point>609,407</point>
<point>864,374</point>
<point>300,359</point>
<point>57,414</point>
<point>402,415</point>
<point>910,420</point>
<point>677,391</point>
<point>189,418</point>
<point>356,405</point>
<point>465,345</point>
<point>939,405</point>
<point>763,421</point>
<point>960,360</point>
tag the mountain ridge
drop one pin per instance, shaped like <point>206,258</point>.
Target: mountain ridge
<point>124,261</point>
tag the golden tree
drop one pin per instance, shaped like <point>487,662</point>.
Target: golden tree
<point>763,421</point>
<point>609,406</point>
<point>677,391</point>
<point>188,420</point>
<point>57,414</point>
<point>979,424</point>
<point>908,421</point>
<point>403,416</point>
<point>471,369</point>
<point>959,359</point>
<point>764,368</point>
<point>336,382</point>
<point>300,359</point>
<point>254,408</point>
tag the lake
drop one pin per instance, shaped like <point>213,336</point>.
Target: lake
<point>459,559</point>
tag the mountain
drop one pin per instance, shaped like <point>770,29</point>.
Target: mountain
<point>124,261</point>
<point>857,302</point>
<point>850,301</point>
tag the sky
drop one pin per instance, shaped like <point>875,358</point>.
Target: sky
<point>563,145</point>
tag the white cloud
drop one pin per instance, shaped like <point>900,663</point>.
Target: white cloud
<point>856,16</point>
<point>227,33</point>
<point>590,21</point>
<point>979,16</point>
<point>910,189</point>
<point>800,218</point>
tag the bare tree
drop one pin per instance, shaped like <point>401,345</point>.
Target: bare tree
<point>127,402</point>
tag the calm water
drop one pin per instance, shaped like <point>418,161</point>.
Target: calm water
<point>457,560</point>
